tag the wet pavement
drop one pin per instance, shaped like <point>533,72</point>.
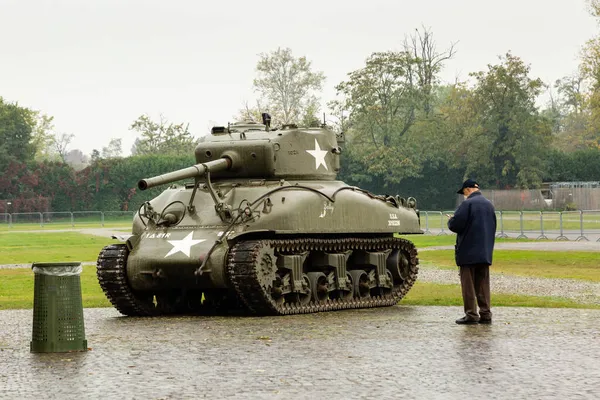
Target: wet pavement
<point>395,352</point>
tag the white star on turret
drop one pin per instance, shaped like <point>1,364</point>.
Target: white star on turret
<point>184,245</point>
<point>319,155</point>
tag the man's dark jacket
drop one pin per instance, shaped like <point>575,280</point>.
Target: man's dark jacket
<point>474,222</point>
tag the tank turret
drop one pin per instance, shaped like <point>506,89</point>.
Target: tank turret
<point>264,228</point>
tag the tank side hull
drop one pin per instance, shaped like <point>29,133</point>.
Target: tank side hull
<point>170,256</point>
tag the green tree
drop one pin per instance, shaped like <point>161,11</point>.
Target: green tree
<point>162,137</point>
<point>507,138</point>
<point>61,143</point>
<point>287,86</point>
<point>392,108</point>
<point>42,137</point>
<point>113,149</point>
<point>15,134</point>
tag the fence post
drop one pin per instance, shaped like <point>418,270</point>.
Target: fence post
<point>10,220</point>
<point>522,235</point>
<point>72,221</point>
<point>102,218</point>
<point>581,234</point>
<point>41,220</point>
<point>427,231</point>
<point>502,235</point>
<point>561,235</point>
<point>542,236</point>
<point>442,232</point>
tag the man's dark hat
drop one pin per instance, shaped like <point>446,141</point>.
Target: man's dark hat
<point>469,183</point>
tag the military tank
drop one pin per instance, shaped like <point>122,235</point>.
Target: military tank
<point>263,227</point>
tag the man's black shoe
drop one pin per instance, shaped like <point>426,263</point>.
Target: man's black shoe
<point>485,321</point>
<point>466,321</point>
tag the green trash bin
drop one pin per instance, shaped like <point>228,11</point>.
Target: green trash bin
<point>57,308</point>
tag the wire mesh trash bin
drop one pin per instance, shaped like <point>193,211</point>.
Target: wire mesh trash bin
<point>57,308</point>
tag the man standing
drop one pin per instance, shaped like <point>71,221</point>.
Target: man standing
<point>474,222</point>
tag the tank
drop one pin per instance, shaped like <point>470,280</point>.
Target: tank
<point>260,225</point>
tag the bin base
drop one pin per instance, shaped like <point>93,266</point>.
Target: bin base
<point>58,347</point>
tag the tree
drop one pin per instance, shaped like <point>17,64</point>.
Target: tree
<point>570,114</point>
<point>42,137</point>
<point>287,85</point>
<point>76,159</point>
<point>114,149</point>
<point>391,104</point>
<point>508,138</point>
<point>594,7</point>
<point>162,137</point>
<point>428,63</point>
<point>249,113</point>
<point>15,134</point>
<point>60,143</point>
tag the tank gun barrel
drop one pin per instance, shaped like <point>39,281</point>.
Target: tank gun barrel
<point>196,170</point>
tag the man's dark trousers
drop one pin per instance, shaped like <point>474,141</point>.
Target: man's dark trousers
<point>475,283</point>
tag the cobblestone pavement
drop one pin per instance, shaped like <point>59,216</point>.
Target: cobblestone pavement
<point>396,352</point>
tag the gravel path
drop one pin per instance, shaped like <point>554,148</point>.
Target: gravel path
<point>576,290</point>
<point>539,246</point>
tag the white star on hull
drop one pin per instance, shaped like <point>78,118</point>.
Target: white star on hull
<point>184,245</point>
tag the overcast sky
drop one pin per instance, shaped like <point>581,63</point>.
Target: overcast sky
<point>96,65</point>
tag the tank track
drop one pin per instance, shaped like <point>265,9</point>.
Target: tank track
<point>112,277</point>
<point>244,274</point>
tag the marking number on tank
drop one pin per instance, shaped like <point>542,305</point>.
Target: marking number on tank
<point>327,206</point>
<point>156,235</point>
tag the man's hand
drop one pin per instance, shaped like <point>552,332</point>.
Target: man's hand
<point>448,215</point>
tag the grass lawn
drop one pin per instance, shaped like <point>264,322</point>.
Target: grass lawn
<point>16,285</point>
<point>16,292</point>
<point>25,248</point>
<point>435,294</point>
<point>16,288</point>
<point>544,264</point>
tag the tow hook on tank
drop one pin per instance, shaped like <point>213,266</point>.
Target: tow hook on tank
<point>156,274</point>
<point>267,205</point>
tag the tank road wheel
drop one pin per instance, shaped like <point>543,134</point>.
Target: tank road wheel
<point>319,285</point>
<point>399,265</point>
<point>278,290</point>
<point>384,290</point>
<point>303,297</point>
<point>112,277</point>
<point>360,284</point>
<point>260,272</point>
<point>346,293</point>
<point>403,266</point>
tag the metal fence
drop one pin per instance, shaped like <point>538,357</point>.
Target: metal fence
<point>553,198</point>
<point>66,218</point>
<point>539,225</point>
<point>551,225</point>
